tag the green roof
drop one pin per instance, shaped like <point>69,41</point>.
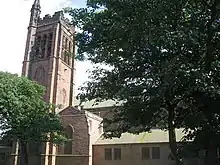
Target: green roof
<point>155,136</point>
<point>92,104</point>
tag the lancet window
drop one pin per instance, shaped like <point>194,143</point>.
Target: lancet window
<point>66,50</point>
<point>49,45</point>
<point>43,46</point>
<point>69,130</point>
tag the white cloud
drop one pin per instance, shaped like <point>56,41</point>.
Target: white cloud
<point>15,15</point>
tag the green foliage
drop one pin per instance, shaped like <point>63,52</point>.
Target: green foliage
<point>25,115</point>
<point>164,63</point>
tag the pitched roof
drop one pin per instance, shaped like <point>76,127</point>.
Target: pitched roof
<point>92,104</point>
<point>155,136</point>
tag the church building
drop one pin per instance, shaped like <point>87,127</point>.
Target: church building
<point>49,60</point>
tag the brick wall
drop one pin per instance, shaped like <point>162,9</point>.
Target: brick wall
<point>72,160</point>
<point>77,119</point>
<point>131,154</point>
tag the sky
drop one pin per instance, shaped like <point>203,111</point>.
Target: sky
<point>14,17</point>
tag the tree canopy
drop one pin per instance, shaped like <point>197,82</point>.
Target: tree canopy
<point>164,64</point>
<point>25,115</point>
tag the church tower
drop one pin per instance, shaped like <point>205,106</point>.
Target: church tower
<point>49,61</point>
<point>48,57</point>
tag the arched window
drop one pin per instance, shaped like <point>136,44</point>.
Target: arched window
<point>39,76</point>
<point>66,51</point>
<point>63,48</point>
<point>49,51</point>
<point>70,53</point>
<point>37,48</point>
<point>38,41</point>
<point>69,130</point>
<point>63,97</point>
<point>49,44</point>
<point>43,44</point>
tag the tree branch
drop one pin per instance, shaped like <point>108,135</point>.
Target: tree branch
<point>210,34</point>
<point>205,3</point>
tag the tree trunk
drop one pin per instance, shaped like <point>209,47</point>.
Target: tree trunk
<point>172,135</point>
<point>23,153</point>
<point>211,154</point>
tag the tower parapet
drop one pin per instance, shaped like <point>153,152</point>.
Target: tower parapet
<point>57,17</point>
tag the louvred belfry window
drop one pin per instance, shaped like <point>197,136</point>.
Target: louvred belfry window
<point>49,45</point>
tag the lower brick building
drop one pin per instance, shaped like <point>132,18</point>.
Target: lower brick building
<point>49,60</point>
<point>89,147</point>
<point>147,148</point>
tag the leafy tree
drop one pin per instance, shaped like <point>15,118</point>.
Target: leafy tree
<point>26,117</point>
<point>164,61</point>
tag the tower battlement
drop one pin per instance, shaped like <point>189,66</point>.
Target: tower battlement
<point>58,16</point>
<point>55,18</point>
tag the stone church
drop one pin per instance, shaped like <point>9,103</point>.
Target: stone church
<point>48,60</point>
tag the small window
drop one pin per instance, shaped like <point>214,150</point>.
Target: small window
<point>117,153</point>
<point>155,153</point>
<point>108,154</point>
<point>2,156</point>
<point>145,151</point>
